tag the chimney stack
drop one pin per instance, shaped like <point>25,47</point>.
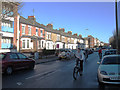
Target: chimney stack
<point>32,18</point>
<point>75,34</point>
<point>70,32</point>
<point>80,36</point>
<point>62,29</point>
<point>50,26</point>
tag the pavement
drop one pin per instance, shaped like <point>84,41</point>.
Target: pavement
<point>45,59</point>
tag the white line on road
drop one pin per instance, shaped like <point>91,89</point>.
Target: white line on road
<point>46,75</point>
<point>19,83</point>
<point>41,74</point>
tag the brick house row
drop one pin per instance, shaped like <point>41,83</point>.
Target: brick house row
<point>35,37</point>
<point>27,35</point>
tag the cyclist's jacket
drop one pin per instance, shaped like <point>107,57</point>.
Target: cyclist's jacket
<point>79,55</point>
<point>100,51</point>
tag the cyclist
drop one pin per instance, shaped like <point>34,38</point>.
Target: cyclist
<point>80,57</point>
<point>100,53</point>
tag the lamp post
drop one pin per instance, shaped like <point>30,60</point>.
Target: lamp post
<point>85,40</point>
<point>116,26</point>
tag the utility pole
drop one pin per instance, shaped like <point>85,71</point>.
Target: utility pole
<point>116,26</point>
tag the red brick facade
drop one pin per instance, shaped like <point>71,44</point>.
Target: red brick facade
<point>33,33</point>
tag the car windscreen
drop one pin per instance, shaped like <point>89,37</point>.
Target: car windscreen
<point>62,50</point>
<point>110,52</point>
<point>111,60</point>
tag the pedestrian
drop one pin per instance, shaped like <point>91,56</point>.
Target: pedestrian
<point>100,53</point>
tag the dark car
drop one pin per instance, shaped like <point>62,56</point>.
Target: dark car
<point>15,61</point>
<point>110,52</point>
<point>56,52</point>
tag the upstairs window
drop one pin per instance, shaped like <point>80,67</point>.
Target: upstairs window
<point>41,33</point>
<point>36,32</point>
<point>29,30</point>
<point>23,29</point>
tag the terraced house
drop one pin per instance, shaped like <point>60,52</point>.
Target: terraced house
<point>32,35</point>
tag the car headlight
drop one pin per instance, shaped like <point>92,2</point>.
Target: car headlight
<point>103,72</point>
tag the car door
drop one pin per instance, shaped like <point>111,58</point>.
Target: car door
<point>24,60</point>
<point>14,61</point>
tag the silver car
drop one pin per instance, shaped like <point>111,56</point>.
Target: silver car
<point>109,70</point>
<point>64,54</point>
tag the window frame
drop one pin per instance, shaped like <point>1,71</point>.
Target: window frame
<point>24,44</point>
<point>29,30</point>
<point>22,30</point>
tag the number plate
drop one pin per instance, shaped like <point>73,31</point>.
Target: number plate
<point>115,78</point>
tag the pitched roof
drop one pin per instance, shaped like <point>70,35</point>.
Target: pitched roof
<point>30,22</point>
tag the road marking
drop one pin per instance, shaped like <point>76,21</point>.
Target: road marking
<point>46,75</point>
<point>41,74</point>
<point>19,83</point>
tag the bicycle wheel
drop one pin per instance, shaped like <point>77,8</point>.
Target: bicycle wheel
<point>75,73</point>
<point>80,72</point>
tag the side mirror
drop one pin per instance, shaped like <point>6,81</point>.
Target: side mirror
<point>98,62</point>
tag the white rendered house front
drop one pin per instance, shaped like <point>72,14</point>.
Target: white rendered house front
<point>59,45</point>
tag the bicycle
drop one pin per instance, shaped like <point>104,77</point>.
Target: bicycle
<point>76,70</point>
<point>100,55</point>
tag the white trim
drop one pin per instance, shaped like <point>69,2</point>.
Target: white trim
<point>36,27</point>
<point>41,29</point>
<point>22,30</point>
<point>7,34</point>
<point>7,50</point>
<point>44,42</point>
<point>9,18</point>
<point>28,30</point>
<point>36,34</point>
<point>23,25</point>
<point>29,26</point>
<point>30,43</point>
<point>49,45</point>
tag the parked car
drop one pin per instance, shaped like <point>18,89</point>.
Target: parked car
<point>110,52</point>
<point>65,54</point>
<point>108,70</point>
<point>12,61</point>
<point>56,52</point>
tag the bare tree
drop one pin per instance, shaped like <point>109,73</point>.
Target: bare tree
<point>9,8</point>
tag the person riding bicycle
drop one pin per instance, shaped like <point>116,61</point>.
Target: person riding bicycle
<point>100,53</point>
<point>80,57</point>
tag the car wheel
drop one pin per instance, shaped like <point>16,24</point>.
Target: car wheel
<point>32,66</point>
<point>9,70</point>
<point>100,83</point>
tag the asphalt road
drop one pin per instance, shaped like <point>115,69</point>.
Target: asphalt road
<point>56,74</point>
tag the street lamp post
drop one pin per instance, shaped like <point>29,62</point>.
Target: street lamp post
<point>86,36</point>
<point>116,26</point>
